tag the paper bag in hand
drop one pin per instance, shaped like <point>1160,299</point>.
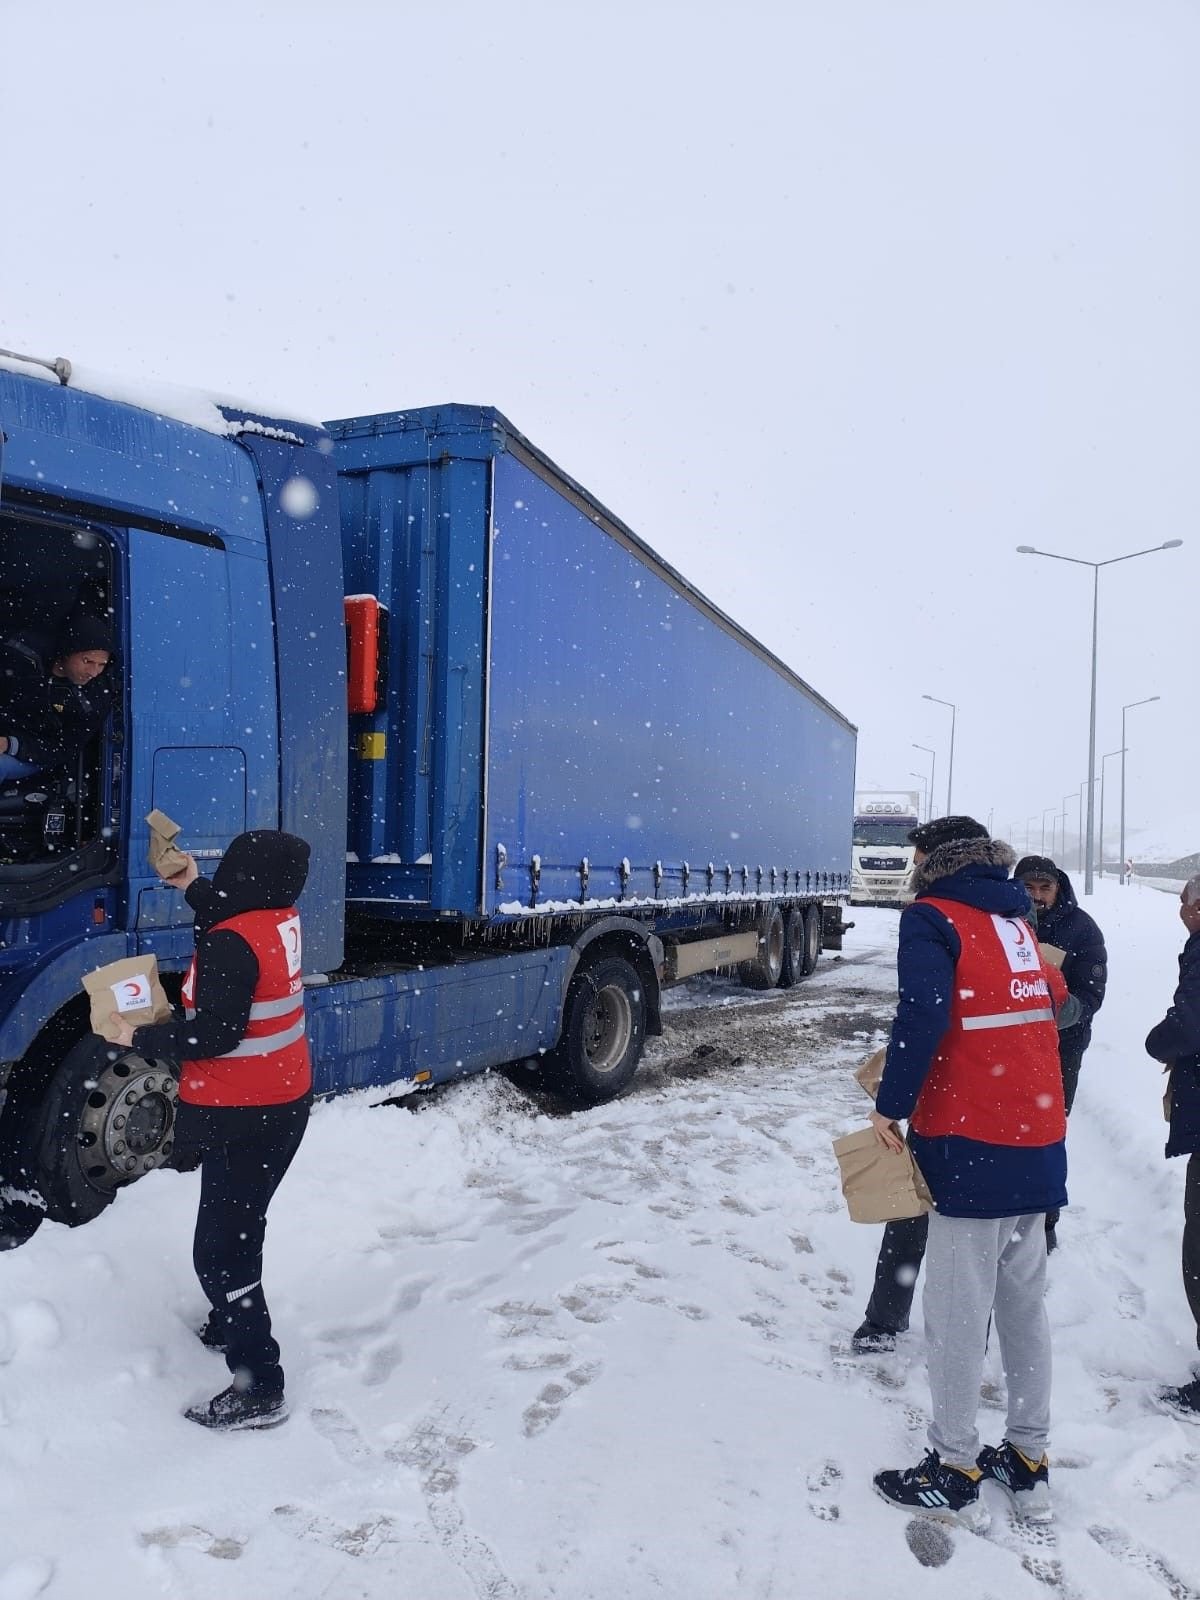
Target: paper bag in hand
<point>165,857</point>
<point>1052,955</point>
<point>132,989</point>
<point>880,1185</point>
<point>870,1075</point>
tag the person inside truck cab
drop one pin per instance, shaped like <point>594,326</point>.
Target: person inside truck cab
<point>53,699</point>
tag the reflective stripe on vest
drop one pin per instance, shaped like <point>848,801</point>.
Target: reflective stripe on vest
<point>1009,1019</point>
<point>267,1044</point>
<point>262,1009</point>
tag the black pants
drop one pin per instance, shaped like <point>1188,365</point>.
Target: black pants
<point>1191,1240</point>
<point>1070,1058</point>
<point>900,1258</point>
<point>246,1151</point>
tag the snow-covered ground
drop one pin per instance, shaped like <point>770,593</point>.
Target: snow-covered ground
<point>598,1356</point>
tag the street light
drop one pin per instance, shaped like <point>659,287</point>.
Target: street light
<point>925,788</point>
<point>1047,812</point>
<point>1029,550</point>
<point>1103,771</point>
<point>932,754</point>
<point>1147,701</point>
<point>953,715</point>
<point>1028,820</point>
<point>1075,794</point>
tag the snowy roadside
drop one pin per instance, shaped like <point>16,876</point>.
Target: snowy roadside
<point>596,1357</point>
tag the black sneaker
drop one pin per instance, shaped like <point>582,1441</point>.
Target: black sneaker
<point>1026,1482</point>
<point>236,1408</point>
<point>1183,1402</point>
<point>933,1489</point>
<point>212,1337</point>
<point>870,1340</point>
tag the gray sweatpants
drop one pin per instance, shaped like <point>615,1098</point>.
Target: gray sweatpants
<point>976,1267</point>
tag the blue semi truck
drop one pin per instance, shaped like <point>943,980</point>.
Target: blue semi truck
<point>542,776</point>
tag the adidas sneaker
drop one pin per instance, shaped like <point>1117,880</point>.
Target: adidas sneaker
<point>935,1489</point>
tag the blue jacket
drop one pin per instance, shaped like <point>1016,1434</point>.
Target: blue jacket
<point>1177,1039</point>
<point>966,1177</point>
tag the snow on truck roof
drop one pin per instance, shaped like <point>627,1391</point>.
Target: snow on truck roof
<point>219,414</point>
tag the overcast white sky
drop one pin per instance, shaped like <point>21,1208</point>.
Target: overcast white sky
<point>836,304</point>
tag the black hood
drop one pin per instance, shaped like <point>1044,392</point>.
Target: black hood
<point>1043,867</point>
<point>260,871</point>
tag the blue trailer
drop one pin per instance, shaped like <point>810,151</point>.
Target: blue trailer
<point>542,775</point>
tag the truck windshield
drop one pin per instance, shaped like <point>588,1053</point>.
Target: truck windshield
<point>883,830</point>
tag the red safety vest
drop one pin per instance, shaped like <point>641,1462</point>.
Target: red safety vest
<point>996,1076</point>
<point>271,1065</point>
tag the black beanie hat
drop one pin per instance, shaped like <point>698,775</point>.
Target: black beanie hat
<point>83,633</point>
<point>944,830</point>
<point>1036,867</point>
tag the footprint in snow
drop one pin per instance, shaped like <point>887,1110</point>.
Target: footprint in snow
<point>822,1487</point>
<point>550,1401</point>
<point>190,1537</point>
<point>366,1538</point>
<point>341,1432</point>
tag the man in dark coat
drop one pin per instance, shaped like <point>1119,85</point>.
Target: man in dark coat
<point>1176,1041</point>
<point>972,1064</point>
<point>1064,924</point>
<point>53,697</point>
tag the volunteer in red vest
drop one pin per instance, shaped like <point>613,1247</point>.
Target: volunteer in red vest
<point>245,1088</point>
<point>972,1063</point>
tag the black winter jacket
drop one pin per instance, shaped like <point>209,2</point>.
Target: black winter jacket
<point>48,719</point>
<point>260,871</point>
<point>1085,970</point>
<point>1177,1039</point>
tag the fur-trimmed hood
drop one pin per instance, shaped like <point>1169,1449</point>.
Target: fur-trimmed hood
<point>958,854</point>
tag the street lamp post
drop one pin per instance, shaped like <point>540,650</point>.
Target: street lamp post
<point>1047,812</point>
<point>1063,841</point>
<point>932,754</point>
<point>953,716</point>
<point>1029,550</point>
<point>1147,701</point>
<point>1103,771</point>
<point>924,789</point>
<point>1028,822</point>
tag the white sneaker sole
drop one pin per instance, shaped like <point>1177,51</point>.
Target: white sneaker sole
<point>1030,1505</point>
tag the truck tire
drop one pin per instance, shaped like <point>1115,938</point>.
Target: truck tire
<point>793,947</point>
<point>811,948</point>
<point>765,970</point>
<point>108,1118</point>
<point>604,1029</point>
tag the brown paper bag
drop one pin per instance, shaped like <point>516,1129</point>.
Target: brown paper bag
<point>880,1185</point>
<point>131,988</point>
<point>1052,955</point>
<point>164,856</point>
<point>870,1075</point>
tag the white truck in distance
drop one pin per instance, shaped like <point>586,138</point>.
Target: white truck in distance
<point>882,858</point>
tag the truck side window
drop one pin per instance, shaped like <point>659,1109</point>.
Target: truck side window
<point>56,684</point>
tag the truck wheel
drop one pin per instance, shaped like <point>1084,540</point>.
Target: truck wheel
<point>765,970</point>
<point>793,947</point>
<point>604,1029</point>
<point>812,940</point>
<point>108,1119</point>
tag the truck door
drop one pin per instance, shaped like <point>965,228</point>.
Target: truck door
<point>204,745</point>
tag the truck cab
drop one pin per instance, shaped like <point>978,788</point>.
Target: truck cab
<point>881,855</point>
